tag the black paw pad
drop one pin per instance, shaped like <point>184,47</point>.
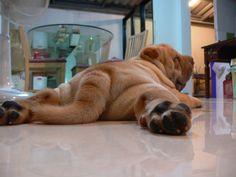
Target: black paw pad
<point>12,104</point>
<point>12,117</point>
<point>162,107</point>
<point>184,108</point>
<point>1,113</point>
<point>168,124</point>
<point>175,123</point>
<point>179,119</point>
<point>154,127</point>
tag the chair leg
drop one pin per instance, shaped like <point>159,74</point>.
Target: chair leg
<point>27,78</point>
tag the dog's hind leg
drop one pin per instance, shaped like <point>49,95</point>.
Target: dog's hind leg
<point>162,112</point>
<point>16,112</point>
<point>88,104</point>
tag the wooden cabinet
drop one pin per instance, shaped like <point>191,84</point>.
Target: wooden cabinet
<point>53,67</point>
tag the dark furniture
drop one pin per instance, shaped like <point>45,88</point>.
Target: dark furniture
<point>222,51</point>
<point>78,68</point>
<point>199,85</point>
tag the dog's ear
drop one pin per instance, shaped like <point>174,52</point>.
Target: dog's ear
<point>149,53</point>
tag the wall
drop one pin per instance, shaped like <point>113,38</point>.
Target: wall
<point>225,18</point>
<point>201,35</point>
<point>172,27</point>
<point>149,27</point>
<point>171,22</point>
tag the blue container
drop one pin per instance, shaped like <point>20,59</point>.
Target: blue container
<point>213,81</point>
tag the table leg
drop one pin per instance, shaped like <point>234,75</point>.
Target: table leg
<point>207,76</point>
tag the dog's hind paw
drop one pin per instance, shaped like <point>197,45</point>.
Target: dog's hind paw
<point>170,118</point>
<point>12,113</point>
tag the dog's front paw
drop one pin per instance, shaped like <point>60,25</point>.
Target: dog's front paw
<point>197,103</point>
<point>170,118</point>
<point>12,113</point>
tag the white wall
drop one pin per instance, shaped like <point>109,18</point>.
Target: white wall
<point>201,36</point>
<point>225,18</point>
<point>109,22</point>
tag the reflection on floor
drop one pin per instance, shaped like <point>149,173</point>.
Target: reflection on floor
<point>123,149</point>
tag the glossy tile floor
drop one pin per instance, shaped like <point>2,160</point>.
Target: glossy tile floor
<point>123,149</point>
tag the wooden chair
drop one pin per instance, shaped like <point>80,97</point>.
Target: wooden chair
<point>135,43</point>
<point>26,54</point>
<point>105,51</point>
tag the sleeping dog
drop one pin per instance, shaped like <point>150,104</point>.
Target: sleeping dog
<point>145,88</point>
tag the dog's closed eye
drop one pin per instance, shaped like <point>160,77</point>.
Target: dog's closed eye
<point>176,60</point>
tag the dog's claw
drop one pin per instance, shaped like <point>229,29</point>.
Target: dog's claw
<point>1,112</point>
<point>11,104</point>
<point>12,117</point>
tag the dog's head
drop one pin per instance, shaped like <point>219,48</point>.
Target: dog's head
<point>178,68</point>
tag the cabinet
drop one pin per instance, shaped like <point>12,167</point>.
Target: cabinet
<point>49,68</point>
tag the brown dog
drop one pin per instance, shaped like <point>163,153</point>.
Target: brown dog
<point>142,88</point>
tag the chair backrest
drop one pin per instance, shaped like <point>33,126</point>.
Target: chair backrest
<point>135,43</point>
<point>105,51</point>
<point>26,54</point>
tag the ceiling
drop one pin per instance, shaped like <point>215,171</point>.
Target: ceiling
<point>121,7</point>
<point>202,12</point>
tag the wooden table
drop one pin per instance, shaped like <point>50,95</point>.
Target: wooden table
<point>56,66</point>
<point>222,51</point>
